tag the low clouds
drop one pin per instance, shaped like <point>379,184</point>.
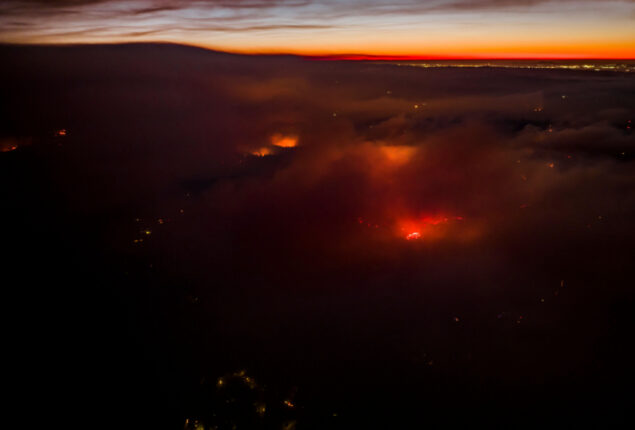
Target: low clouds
<point>278,256</point>
<point>398,146</point>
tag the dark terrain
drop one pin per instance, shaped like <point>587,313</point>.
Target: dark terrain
<point>279,291</point>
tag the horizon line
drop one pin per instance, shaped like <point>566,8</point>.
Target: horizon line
<point>332,57</point>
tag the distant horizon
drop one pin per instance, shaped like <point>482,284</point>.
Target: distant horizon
<point>352,56</point>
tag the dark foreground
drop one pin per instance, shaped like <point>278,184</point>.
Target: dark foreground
<point>166,261</point>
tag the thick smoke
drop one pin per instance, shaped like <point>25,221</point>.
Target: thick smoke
<point>278,199</point>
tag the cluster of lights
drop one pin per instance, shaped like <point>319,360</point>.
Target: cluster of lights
<point>146,232</point>
<point>600,67</point>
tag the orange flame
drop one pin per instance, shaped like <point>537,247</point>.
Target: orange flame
<point>8,148</point>
<point>413,236</point>
<point>262,152</point>
<point>284,141</point>
<point>428,227</point>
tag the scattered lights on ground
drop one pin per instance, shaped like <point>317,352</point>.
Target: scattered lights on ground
<point>250,402</point>
<point>145,227</point>
<point>194,424</point>
<point>593,67</point>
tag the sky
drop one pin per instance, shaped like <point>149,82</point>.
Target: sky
<point>426,29</point>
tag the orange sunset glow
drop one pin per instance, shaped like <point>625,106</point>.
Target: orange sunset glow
<point>439,29</point>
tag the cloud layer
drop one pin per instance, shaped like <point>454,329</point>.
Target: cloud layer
<point>274,200</point>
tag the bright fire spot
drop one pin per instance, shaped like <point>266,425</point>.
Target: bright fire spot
<point>284,141</point>
<point>413,236</point>
<point>426,228</point>
<point>8,148</point>
<point>430,227</point>
<point>262,152</point>
<point>398,154</point>
<point>61,132</point>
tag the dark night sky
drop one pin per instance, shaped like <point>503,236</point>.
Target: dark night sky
<point>292,262</point>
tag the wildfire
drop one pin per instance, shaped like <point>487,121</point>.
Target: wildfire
<point>430,227</point>
<point>398,154</point>
<point>284,141</point>
<point>11,144</point>
<point>413,236</point>
<point>262,152</point>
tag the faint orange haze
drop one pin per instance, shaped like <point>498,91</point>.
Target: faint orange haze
<point>398,154</point>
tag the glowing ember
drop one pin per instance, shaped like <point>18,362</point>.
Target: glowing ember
<point>262,152</point>
<point>398,154</point>
<point>434,228</point>
<point>61,132</point>
<point>8,148</point>
<point>413,236</point>
<point>288,141</point>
